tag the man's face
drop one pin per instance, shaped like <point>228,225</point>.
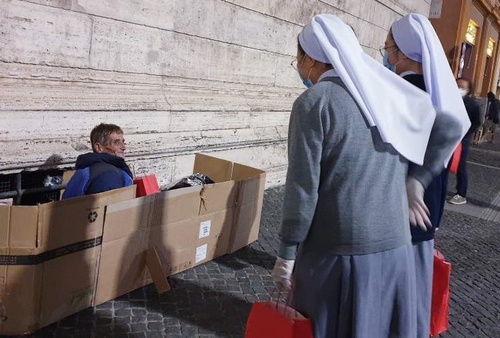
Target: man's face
<point>115,145</point>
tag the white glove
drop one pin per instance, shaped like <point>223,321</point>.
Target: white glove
<point>418,211</point>
<point>282,273</point>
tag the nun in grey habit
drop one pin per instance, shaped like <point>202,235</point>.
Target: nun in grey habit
<point>420,59</point>
<point>345,228</point>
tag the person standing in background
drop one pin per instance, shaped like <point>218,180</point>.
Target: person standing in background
<point>474,112</point>
<point>491,119</point>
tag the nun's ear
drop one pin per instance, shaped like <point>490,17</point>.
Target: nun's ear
<point>310,58</point>
<point>402,55</point>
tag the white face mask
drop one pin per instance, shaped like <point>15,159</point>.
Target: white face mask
<point>462,91</point>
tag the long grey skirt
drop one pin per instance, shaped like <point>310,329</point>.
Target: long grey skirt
<point>358,296</point>
<point>424,263</point>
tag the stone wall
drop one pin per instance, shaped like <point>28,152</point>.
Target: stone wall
<point>179,76</point>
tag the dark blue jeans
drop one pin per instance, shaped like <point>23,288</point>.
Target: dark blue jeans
<point>462,170</point>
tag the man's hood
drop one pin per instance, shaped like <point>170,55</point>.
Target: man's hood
<point>86,160</point>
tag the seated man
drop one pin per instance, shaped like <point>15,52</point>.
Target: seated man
<point>105,168</point>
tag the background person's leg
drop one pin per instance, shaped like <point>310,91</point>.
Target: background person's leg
<point>462,180</point>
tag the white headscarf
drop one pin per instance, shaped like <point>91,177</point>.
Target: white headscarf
<point>388,102</point>
<point>417,39</point>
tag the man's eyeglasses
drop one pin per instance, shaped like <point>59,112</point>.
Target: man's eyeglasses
<point>118,142</point>
<point>114,143</point>
<point>383,49</point>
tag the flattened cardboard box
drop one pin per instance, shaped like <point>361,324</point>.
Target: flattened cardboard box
<point>49,259</point>
<point>66,269</point>
<point>187,226</point>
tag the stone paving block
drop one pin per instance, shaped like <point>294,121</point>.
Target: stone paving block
<point>137,335</point>
<point>136,319</point>
<point>155,326</point>
<point>138,327</point>
<point>173,330</point>
<point>123,312</point>
<point>154,317</point>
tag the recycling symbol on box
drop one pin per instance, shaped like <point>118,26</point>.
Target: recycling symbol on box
<point>92,216</point>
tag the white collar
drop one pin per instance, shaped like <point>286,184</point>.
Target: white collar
<point>408,72</point>
<point>328,73</point>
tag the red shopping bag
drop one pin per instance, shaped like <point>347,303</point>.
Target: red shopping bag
<point>455,159</point>
<point>146,185</point>
<point>440,294</point>
<point>277,320</point>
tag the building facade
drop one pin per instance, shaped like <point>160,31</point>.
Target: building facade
<point>469,31</point>
<point>179,76</point>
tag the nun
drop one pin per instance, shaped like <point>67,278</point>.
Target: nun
<point>414,52</point>
<point>344,233</point>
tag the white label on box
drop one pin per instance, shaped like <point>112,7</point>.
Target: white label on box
<point>201,253</point>
<point>205,228</point>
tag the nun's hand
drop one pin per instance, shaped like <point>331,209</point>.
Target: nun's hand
<point>419,213</point>
<point>282,273</point>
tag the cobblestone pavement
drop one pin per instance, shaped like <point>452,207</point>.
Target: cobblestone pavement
<point>213,300</point>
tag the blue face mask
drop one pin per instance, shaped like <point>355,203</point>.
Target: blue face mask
<point>307,82</point>
<point>386,63</point>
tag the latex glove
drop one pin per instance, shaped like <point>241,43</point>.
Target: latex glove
<point>418,211</point>
<point>282,273</point>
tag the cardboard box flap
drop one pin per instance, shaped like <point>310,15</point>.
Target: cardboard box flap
<point>215,168</point>
<point>175,205</point>
<point>245,229</point>
<point>219,196</point>
<point>251,189</point>
<point>241,172</point>
<point>122,266</point>
<point>23,227</point>
<point>127,217</point>
<point>77,219</point>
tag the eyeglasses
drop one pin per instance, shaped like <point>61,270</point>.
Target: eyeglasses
<point>118,143</point>
<point>114,143</point>
<point>295,62</point>
<point>383,49</point>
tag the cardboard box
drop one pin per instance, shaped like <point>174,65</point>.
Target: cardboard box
<point>49,259</point>
<point>187,226</point>
<point>62,257</point>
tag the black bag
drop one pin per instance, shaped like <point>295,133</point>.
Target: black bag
<point>192,181</point>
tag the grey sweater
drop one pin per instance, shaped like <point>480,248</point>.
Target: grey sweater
<point>345,190</point>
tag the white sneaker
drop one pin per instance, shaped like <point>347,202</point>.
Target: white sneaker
<point>457,199</point>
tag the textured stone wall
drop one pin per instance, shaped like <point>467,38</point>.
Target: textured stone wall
<point>179,76</point>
